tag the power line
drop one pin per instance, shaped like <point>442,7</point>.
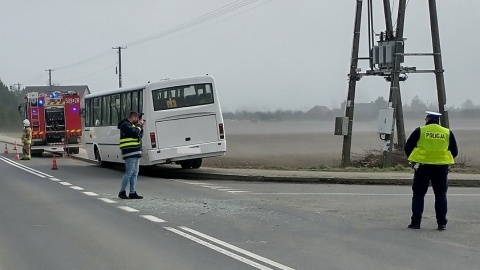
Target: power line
<point>227,18</point>
<point>206,17</point>
<point>95,57</point>
<point>233,6</point>
<point>91,74</point>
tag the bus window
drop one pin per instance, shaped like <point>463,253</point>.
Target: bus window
<point>89,113</point>
<point>97,111</point>
<point>140,101</point>
<point>183,96</point>
<point>126,104</point>
<point>105,111</point>
<point>115,110</point>
<point>135,101</point>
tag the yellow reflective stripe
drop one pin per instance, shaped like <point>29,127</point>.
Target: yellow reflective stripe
<point>129,144</point>
<point>129,140</point>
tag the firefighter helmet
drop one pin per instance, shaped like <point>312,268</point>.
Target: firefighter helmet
<point>26,123</point>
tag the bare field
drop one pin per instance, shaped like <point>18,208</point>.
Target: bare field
<point>306,144</point>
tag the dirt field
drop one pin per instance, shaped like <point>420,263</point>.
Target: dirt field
<point>307,144</point>
<point>312,144</point>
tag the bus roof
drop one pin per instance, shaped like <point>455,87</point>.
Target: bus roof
<point>162,83</point>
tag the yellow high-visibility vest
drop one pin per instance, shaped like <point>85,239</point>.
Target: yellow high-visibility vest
<point>432,147</point>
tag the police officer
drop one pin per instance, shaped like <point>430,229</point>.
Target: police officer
<point>431,149</point>
<point>26,140</point>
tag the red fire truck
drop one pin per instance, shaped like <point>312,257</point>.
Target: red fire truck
<point>55,121</point>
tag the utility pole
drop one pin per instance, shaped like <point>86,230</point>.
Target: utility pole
<point>386,59</point>
<point>49,76</point>
<point>119,64</point>
<point>352,82</point>
<point>437,58</point>
<point>395,79</point>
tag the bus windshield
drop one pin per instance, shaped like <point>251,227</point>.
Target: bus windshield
<point>182,96</point>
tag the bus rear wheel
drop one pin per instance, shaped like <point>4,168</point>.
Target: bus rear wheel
<point>191,163</point>
<point>186,164</point>
<point>196,163</point>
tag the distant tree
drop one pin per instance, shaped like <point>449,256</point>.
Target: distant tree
<point>418,104</point>
<point>380,102</point>
<point>8,109</point>
<point>468,105</point>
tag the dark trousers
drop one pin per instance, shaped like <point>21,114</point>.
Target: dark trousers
<point>437,174</point>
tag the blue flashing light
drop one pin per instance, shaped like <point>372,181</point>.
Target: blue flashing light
<point>40,102</point>
<point>74,109</point>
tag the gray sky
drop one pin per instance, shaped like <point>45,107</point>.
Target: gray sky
<point>269,55</point>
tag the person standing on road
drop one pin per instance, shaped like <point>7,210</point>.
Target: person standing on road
<point>431,149</point>
<point>26,140</point>
<point>131,133</point>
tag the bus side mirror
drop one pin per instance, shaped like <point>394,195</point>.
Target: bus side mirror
<point>82,113</point>
<point>20,111</point>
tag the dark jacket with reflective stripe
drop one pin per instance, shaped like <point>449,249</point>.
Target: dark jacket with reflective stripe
<point>130,139</point>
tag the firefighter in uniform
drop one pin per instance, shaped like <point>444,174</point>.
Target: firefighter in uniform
<point>431,149</point>
<point>26,140</point>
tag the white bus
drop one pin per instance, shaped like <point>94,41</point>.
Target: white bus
<point>183,122</point>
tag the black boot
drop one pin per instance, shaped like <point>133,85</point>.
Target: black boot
<point>414,226</point>
<point>123,195</point>
<point>134,195</point>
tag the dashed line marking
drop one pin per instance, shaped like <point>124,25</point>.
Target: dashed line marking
<point>153,218</point>
<point>65,183</point>
<point>55,179</point>
<point>238,191</point>
<point>76,188</point>
<point>128,209</point>
<point>90,193</point>
<point>107,200</point>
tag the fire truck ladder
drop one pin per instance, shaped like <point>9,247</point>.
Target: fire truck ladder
<point>32,99</point>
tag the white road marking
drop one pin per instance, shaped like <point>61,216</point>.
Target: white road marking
<point>192,183</point>
<point>90,193</point>
<point>33,170</point>
<point>357,194</point>
<point>227,189</point>
<point>76,188</point>
<point>153,218</point>
<point>65,183</point>
<point>107,200</point>
<point>219,249</point>
<point>238,191</point>
<point>17,165</point>
<point>55,179</point>
<point>215,187</point>
<point>237,249</point>
<point>128,209</point>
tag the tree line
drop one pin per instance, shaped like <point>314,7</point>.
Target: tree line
<point>10,119</point>
<point>363,112</point>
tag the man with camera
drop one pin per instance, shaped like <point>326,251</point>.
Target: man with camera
<point>131,133</point>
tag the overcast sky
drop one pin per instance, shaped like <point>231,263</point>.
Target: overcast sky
<point>267,55</point>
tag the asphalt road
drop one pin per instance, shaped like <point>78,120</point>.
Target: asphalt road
<point>71,219</point>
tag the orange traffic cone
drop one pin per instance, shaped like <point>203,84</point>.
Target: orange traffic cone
<point>54,165</point>
<point>5,152</point>
<point>17,156</point>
